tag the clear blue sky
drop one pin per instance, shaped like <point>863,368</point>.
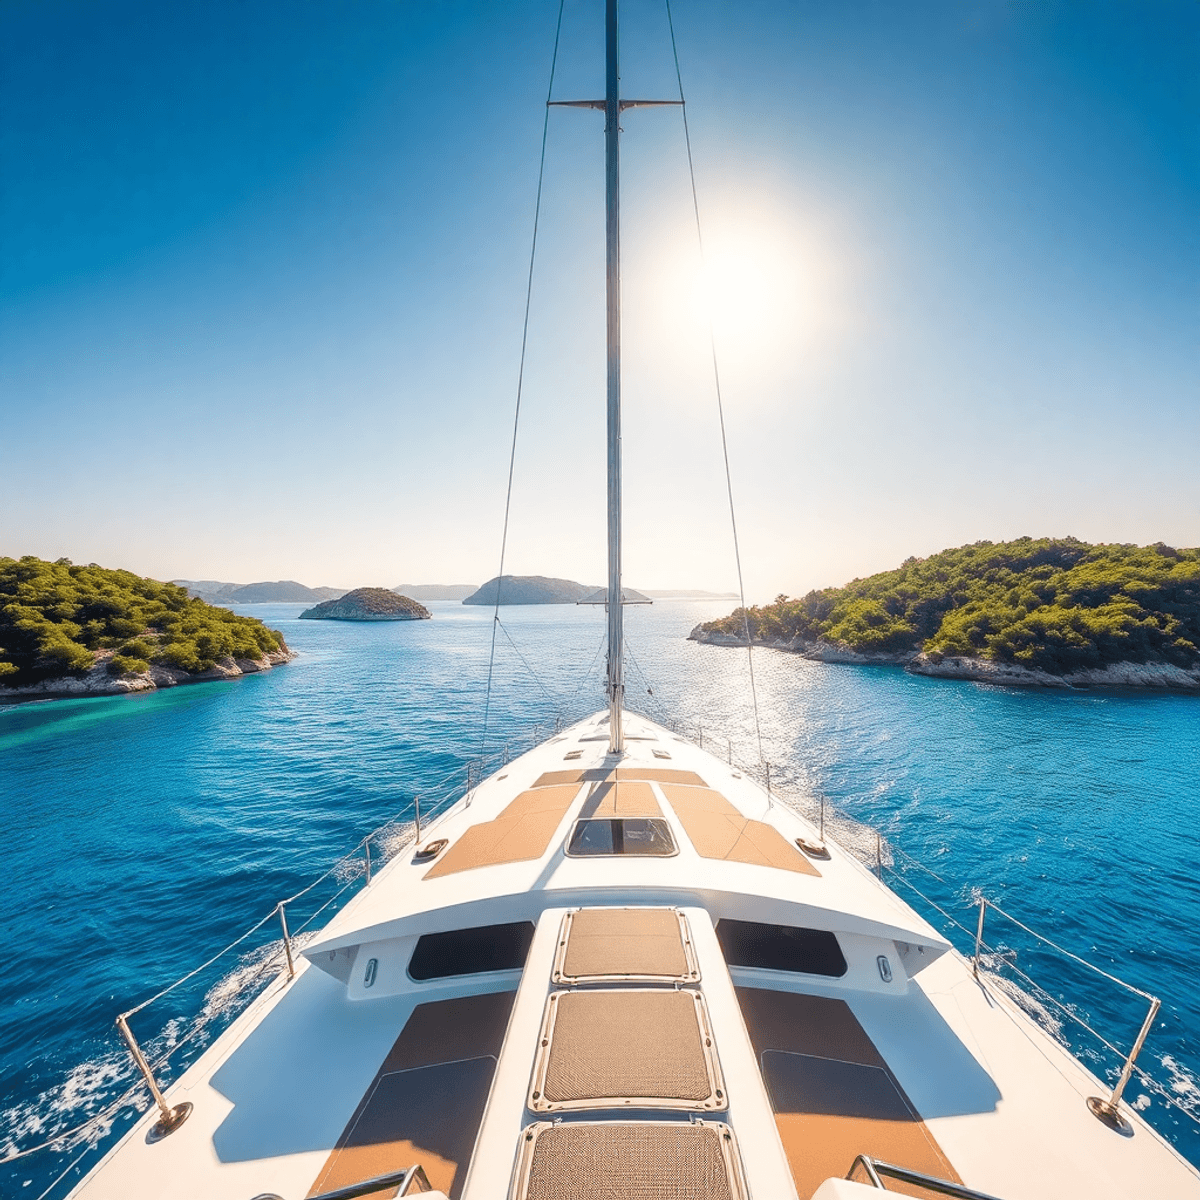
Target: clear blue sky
<point>262,269</point>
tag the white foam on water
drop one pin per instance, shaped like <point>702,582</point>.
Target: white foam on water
<point>1183,1085</point>
<point>394,837</point>
<point>85,1090</point>
<point>1029,1004</point>
<point>90,1086</point>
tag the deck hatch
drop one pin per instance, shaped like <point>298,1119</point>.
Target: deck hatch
<point>637,1048</point>
<point>781,948</point>
<point>625,945</point>
<point>642,837</point>
<point>650,1160</point>
<point>471,951</point>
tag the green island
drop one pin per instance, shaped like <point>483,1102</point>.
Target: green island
<point>1046,610</point>
<point>87,630</point>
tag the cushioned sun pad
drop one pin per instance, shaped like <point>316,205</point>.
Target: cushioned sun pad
<point>649,1048</point>
<point>719,830</point>
<point>520,833</point>
<point>630,1160</point>
<point>621,799</point>
<point>832,1093</point>
<point>426,1101</point>
<point>599,774</point>
<point>651,944</point>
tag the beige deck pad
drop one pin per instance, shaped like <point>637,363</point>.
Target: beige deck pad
<point>617,798</point>
<point>520,833</point>
<point>630,1160</point>
<point>625,944</point>
<point>633,774</point>
<point>833,1095</point>
<point>719,830</point>
<point>426,1101</point>
<point>645,1048</point>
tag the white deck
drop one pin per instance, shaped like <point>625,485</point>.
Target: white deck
<point>274,1093</point>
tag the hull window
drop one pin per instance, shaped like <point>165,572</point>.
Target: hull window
<point>471,951</point>
<point>781,948</point>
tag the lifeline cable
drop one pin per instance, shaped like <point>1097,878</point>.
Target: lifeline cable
<point>512,457</point>
<point>712,339</point>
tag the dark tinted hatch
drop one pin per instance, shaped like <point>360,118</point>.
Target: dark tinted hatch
<point>781,948</point>
<point>471,951</point>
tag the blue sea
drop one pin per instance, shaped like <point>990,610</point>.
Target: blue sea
<point>142,834</point>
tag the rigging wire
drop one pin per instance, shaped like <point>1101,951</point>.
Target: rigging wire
<point>656,703</point>
<point>712,339</point>
<point>587,674</point>
<point>512,457</point>
<point>536,677</point>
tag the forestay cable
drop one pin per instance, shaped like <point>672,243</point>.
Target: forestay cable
<point>512,457</point>
<point>712,340</point>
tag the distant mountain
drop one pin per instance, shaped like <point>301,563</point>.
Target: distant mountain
<point>530,589</point>
<point>689,594</point>
<point>368,604</point>
<point>209,590</point>
<point>283,591</point>
<point>435,591</point>
<point>628,595</point>
<point>541,589</point>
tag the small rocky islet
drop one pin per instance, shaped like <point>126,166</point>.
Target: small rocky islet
<point>368,604</point>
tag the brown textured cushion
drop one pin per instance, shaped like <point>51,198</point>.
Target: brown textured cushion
<point>631,1160</point>
<point>612,1045</point>
<point>625,941</point>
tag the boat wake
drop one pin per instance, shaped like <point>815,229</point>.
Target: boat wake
<point>84,1107</point>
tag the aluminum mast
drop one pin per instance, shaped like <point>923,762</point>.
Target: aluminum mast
<point>612,133</point>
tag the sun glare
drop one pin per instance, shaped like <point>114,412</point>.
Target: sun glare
<point>751,295</point>
<point>767,287</point>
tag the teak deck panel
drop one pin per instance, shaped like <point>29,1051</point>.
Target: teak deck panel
<point>719,830</point>
<point>520,833</point>
<point>632,774</point>
<point>621,798</point>
<point>426,1101</point>
<point>832,1093</point>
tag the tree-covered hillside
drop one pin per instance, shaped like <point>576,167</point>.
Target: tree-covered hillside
<point>1058,605</point>
<point>55,616</point>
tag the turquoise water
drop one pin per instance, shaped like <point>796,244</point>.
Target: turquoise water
<point>141,834</point>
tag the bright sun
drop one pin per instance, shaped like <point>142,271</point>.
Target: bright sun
<point>770,289</point>
<point>751,295</point>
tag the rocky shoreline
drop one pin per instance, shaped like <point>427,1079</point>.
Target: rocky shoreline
<point>980,670</point>
<point>99,682</point>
